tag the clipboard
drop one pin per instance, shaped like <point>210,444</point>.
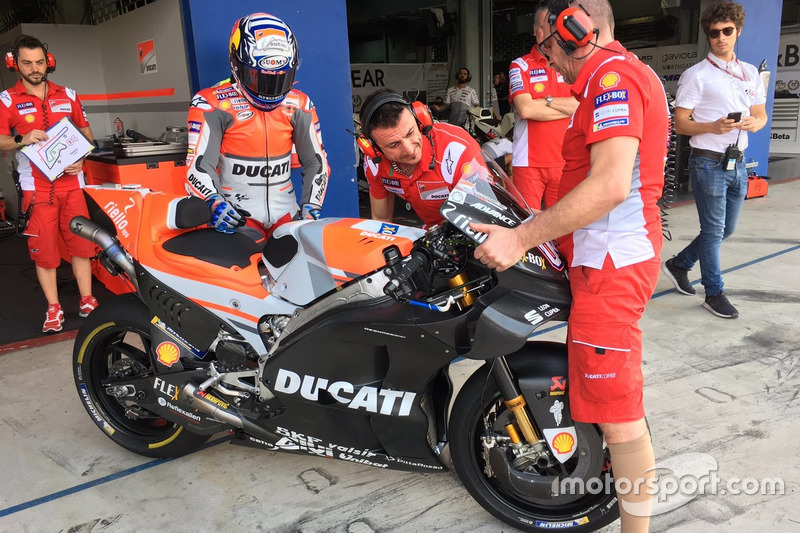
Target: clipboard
<point>65,145</point>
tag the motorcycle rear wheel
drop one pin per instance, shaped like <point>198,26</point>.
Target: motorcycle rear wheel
<point>480,398</point>
<point>116,338</point>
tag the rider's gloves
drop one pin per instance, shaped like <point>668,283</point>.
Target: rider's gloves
<point>224,216</point>
<point>309,212</point>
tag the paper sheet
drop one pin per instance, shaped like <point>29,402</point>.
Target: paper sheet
<point>65,145</point>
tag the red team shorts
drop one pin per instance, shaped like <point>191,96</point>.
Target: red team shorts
<point>605,342</point>
<point>51,218</point>
<point>537,184</point>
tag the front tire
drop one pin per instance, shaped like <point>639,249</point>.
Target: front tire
<point>114,340</point>
<point>480,400</point>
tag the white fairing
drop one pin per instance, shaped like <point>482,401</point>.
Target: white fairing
<point>308,274</point>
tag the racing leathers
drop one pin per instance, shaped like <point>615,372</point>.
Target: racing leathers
<point>244,153</point>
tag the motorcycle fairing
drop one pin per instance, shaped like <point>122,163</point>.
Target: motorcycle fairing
<point>541,369</point>
<point>306,260</point>
<point>241,309</point>
<point>373,352</point>
<point>302,444</point>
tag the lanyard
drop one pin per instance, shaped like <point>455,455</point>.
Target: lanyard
<point>743,77</point>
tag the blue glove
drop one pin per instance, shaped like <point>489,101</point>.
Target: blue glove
<point>309,212</point>
<point>224,217</point>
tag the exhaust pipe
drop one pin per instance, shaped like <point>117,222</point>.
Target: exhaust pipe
<point>83,227</point>
<point>228,415</point>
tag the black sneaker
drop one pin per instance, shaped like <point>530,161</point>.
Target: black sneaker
<point>720,306</point>
<point>678,276</point>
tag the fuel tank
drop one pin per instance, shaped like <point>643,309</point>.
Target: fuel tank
<point>308,259</point>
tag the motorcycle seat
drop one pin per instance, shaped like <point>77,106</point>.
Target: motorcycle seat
<point>213,247</point>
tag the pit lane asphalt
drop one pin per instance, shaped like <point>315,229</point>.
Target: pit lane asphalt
<point>719,392</point>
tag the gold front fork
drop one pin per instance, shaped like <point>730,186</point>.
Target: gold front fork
<point>517,406</point>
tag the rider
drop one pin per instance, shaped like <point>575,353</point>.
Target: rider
<point>407,155</point>
<point>241,133</point>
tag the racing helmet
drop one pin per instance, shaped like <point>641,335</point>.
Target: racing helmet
<point>264,59</point>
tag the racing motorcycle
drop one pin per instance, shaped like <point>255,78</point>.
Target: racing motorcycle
<point>335,340</point>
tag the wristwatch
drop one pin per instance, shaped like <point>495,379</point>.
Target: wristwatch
<point>18,140</point>
<point>549,99</point>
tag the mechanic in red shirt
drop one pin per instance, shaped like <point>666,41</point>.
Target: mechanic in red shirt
<point>610,232</point>
<point>27,110</point>
<point>410,157</point>
<point>543,105</point>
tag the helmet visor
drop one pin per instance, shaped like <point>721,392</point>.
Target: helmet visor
<point>266,85</point>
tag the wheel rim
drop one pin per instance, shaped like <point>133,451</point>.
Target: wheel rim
<point>114,348</point>
<point>547,510</point>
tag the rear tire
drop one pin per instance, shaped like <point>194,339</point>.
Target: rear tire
<point>480,398</point>
<point>115,337</point>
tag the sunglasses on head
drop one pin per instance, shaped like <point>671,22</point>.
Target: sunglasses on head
<point>714,34</point>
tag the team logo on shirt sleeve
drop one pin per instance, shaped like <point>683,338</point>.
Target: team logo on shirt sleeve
<point>609,81</point>
<point>611,123</point>
<point>620,95</point>
<point>450,161</point>
<point>515,80</point>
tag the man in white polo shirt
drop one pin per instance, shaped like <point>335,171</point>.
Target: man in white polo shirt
<point>719,100</point>
<point>459,98</point>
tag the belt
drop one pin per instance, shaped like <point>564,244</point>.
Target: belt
<point>711,154</point>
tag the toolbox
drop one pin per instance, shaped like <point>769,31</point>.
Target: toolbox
<point>757,186</point>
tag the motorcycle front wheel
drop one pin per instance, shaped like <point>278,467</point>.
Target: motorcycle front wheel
<point>479,404</point>
<point>114,342</point>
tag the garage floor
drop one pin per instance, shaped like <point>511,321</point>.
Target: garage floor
<point>717,391</point>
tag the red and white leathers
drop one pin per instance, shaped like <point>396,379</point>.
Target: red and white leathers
<point>427,189</point>
<point>245,154</point>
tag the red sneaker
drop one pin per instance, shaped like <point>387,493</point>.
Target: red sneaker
<point>87,305</point>
<point>53,319</point>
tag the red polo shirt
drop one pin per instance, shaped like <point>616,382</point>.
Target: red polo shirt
<point>427,189</point>
<point>21,112</point>
<point>537,143</point>
<point>618,96</point>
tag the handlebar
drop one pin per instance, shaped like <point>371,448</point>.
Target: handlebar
<point>418,260</point>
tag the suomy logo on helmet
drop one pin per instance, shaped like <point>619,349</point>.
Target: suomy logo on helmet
<point>273,62</point>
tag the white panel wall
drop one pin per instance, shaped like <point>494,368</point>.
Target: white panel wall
<point>103,60</point>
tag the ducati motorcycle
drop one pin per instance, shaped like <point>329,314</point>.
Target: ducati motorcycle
<point>335,340</point>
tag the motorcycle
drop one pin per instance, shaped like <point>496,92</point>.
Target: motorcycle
<point>336,341</point>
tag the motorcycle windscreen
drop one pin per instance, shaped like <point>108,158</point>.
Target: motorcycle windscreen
<point>484,195</point>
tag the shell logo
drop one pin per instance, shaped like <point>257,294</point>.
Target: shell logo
<point>610,80</point>
<point>29,118</point>
<point>225,104</point>
<point>538,87</point>
<point>466,169</point>
<point>168,354</point>
<point>563,442</point>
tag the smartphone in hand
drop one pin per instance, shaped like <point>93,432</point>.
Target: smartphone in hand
<point>736,117</point>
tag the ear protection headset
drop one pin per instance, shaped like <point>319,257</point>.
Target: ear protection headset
<point>469,74</point>
<point>11,60</point>
<point>420,111</point>
<point>574,27</point>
